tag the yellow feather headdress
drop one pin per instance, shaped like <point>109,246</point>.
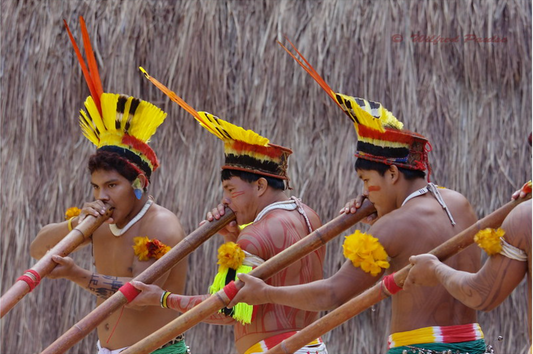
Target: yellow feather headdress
<point>113,122</point>
<point>381,137</point>
<point>244,150</point>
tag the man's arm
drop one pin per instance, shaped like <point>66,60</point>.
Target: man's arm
<point>51,234</point>
<point>151,296</point>
<point>320,295</point>
<point>498,277</point>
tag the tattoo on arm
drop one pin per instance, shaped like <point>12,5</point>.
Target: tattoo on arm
<point>104,286</point>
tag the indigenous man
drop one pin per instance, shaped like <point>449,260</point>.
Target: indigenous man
<point>413,216</point>
<point>499,276</point>
<point>254,178</point>
<point>138,232</point>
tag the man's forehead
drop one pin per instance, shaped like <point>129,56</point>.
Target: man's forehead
<point>105,176</point>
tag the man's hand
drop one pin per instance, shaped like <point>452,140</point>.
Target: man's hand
<point>95,209</point>
<point>522,192</point>
<point>65,268</point>
<point>422,272</point>
<point>150,295</point>
<point>254,292</point>
<point>354,204</point>
<point>231,231</point>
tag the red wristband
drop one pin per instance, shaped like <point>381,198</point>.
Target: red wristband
<point>390,284</point>
<point>230,290</point>
<point>129,291</point>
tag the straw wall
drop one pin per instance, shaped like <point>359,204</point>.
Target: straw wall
<point>472,100</point>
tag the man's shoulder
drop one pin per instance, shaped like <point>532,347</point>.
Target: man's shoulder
<point>163,224</point>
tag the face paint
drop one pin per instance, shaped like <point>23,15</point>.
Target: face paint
<point>374,188</point>
<point>236,194</point>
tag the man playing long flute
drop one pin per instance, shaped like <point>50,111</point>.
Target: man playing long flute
<point>139,231</point>
<point>413,217</point>
<point>509,249</point>
<point>254,179</point>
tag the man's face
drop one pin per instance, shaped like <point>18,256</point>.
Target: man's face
<point>114,189</point>
<point>378,190</point>
<point>242,198</point>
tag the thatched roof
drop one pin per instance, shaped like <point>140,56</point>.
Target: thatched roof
<point>473,101</point>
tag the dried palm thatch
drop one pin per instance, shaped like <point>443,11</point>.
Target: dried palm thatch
<point>473,100</point>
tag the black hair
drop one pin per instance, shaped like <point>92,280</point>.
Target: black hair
<point>111,161</point>
<point>250,177</point>
<point>381,168</point>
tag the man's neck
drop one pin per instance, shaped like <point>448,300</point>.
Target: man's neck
<point>270,198</point>
<point>410,187</point>
<point>139,204</point>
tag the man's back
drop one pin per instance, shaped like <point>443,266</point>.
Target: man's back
<point>418,227</point>
<point>276,231</point>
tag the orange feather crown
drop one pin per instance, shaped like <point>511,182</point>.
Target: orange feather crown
<point>244,150</point>
<point>113,122</point>
<point>381,137</point>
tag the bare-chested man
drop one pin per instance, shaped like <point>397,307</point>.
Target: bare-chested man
<point>254,179</point>
<point>498,277</point>
<point>413,217</point>
<point>120,174</point>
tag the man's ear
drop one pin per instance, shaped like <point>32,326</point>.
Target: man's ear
<point>139,185</point>
<point>393,173</point>
<point>262,186</point>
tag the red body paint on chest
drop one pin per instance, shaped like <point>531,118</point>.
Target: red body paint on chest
<point>374,188</point>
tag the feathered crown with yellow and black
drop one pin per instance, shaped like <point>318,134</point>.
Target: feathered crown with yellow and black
<point>244,150</point>
<point>380,135</point>
<point>113,122</point>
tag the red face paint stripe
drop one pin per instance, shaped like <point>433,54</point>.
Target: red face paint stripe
<point>374,188</point>
<point>236,194</point>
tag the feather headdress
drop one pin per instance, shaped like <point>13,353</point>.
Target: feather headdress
<point>113,122</point>
<point>244,150</point>
<point>381,137</point>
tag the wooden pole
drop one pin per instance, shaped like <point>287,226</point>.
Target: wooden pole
<point>148,276</point>
<point>375,294</point>
<point>45,265</point>
<point>215,302</point>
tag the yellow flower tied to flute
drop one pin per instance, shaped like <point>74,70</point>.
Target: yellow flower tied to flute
<point>72,212</point>
<point>144,248</point>
<point>489,240</point>
<point>230,255</point>
<point>365,252</point>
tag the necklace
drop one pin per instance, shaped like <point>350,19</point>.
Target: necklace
<point>118,232</point>
<point>432,189</point>
<point>415,194</point>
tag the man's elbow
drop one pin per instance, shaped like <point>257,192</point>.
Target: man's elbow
<point>36,252</point>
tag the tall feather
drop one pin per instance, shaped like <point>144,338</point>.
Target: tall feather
<point>216,126</point>
<point>361,112</point>
<point>92,77</point>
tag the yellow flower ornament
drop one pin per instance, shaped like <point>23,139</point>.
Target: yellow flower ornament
<point>144,248</point>
<point>365,252</point>
<point>489,240</point>
<point>230,255</point>
<point>72,212</point>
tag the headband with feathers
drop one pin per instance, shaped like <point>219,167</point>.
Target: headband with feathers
<point>380,135</point>
<point>244,150</point>
<point>113,122</point>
